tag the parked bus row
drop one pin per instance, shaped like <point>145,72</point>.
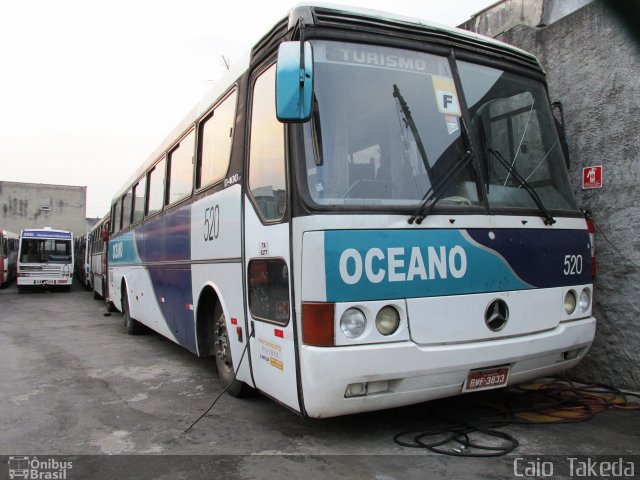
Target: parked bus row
<point>367,211</point>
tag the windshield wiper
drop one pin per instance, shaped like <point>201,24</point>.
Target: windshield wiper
<point>436,191</point>
<point>408,118</point>
<point>548,219</point>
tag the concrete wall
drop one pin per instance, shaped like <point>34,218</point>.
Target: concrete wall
<point>23,205</point>
<point>502,16</point>
<point>593,68</point>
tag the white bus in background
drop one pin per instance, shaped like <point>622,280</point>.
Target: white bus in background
<point>8,257</point>
<point>370,211</point>
<point>82,261</point>
<point>98,245</point>
<point>45,258</point>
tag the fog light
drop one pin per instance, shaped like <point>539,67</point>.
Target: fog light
<point>570,302</point>
<point>353,322</point>
<point>585,299</point>
<point>387,320</point>
<point>571,354</point>
<point>356,390</point>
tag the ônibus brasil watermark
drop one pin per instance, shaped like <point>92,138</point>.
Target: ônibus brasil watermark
<point>38,469</point>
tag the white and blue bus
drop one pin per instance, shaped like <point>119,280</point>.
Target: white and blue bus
<point>45,258</point>
<point>368,211</point>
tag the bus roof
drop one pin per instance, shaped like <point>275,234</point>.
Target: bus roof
<point>313,12</point>
<point>99,223</point>
<point>7,233</point>
<point>331,15</point>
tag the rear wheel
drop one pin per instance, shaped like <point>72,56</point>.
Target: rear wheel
<point>224,362</point>
<point>132,326</point>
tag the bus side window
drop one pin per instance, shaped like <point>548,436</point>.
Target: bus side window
<point>269,290</point>
<point>216,134</point>
<point>181,169</point>
<point>126,209</point>
<point>156,188</point>
<point>116,216</point>
<point>138,200</point>
<point>267,180</point>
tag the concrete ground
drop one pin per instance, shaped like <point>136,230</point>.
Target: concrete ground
<point>74,384</point>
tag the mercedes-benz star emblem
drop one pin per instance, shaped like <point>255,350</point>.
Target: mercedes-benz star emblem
<point>496,315</point>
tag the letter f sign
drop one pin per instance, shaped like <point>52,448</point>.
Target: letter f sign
<point>447,102</point>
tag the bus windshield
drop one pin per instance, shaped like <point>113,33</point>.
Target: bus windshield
<point>40,250</point>
<point>387,131</point>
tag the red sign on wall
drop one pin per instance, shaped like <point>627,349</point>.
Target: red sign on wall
<point>592,177</point>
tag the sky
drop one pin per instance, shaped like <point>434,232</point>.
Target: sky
<point>89,89</point>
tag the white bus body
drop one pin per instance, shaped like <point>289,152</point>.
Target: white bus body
<point>8,257</point>
<point>311,247</point>
<point>45,258</point>
<point>98,245</point>
<point>82,261</point>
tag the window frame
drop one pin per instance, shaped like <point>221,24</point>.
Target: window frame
<point>124,197</point>
<point>208,115</point>
<point>167,178</point>
<point>148,173</point>
<point>134,189</point>
<point>255,76</point>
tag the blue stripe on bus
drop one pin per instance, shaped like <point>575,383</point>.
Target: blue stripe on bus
<point>538,256</point>
<point>386,264</point>
<point>165,238</point>
<point>172,288</point>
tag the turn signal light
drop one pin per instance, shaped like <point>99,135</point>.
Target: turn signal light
<point>318,326</point>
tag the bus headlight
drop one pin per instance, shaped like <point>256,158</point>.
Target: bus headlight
<point>353,322</point>
<point>387,320</point>
<point>570,302</point>
<point>585,299</point>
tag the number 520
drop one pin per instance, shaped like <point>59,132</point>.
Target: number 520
<point>572,264</point>
<point>211,223</point>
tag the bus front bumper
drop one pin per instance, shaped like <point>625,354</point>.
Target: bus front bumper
<point>36,282</point>
<point>404,373</point>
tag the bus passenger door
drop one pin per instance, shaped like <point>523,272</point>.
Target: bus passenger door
<point>266,245</point>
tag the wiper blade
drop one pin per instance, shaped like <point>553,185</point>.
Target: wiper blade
<point>408,118</point>
<point>548,219</point>
<point>435,192</point>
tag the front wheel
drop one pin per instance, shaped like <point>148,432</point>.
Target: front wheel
<point>224,362</point>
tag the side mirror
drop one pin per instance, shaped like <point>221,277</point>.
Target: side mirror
<point>294,82</point>
<point>562,134</point>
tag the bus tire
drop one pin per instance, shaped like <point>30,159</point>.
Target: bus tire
<point>224,362</point>
<point>111,308</point>
<point>20,289</point>
<point>96,295</point>
<point>131,325</point>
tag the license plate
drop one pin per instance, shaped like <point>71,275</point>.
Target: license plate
<point>486,378</point>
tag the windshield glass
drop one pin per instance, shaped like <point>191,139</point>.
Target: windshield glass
<point>45,251</point>
<point>514,131</point>
<point>386,131</point>
<point>387,128</point>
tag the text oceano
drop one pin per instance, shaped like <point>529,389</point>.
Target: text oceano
<point>397,264</point>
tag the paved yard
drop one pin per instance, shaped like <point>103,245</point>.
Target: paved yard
<point>74,384</point>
